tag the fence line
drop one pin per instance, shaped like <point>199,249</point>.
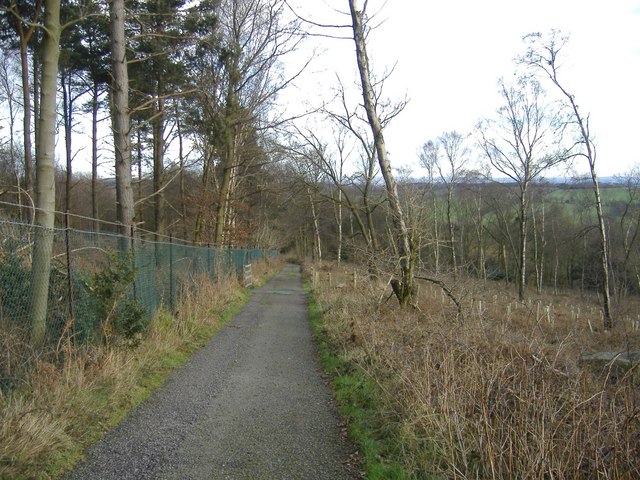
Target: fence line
<point>334,279</point>
<point>139,231</point>
<point>100,288</point>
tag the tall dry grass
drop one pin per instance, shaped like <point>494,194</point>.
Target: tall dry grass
<point>500,395</point>
<point>67,399</point>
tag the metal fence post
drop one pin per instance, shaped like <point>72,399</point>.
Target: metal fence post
<point>132,232</point>
<point>67,229</point>
<point>172,278</point>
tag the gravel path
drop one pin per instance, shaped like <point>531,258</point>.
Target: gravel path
<point>252,404</point>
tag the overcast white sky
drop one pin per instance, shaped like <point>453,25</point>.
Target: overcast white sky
<point>451,53</point>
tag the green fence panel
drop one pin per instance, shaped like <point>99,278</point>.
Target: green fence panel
<point>91,284</point>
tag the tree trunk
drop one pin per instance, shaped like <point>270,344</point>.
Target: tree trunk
<point>225,188</point>
<point>26,125</point>
<point>628,242</point>
<point>198,233</point>
<point>604,251</point>
<point>158,163</point>
<point>543,248</point>
<point>317,251</point>
<point>371,237</point>
<point>121,120</point>
<point>556,257</point>
<point>604,242</point>
<point>522,277</point>
<point>482,270</point>
<point>25,37</point>
<point>67,113</point>
<point>355,215</point>
<point>452,240</point>
<point>45,175</point>
<point>36,105</point>
<point>539,248</point>
<point>339,223</point>
<point>549,66</point>
<point>436,234</point>
<point>505,263</point>
<point>94,155</point>
<point>536,251</point>
<point>11,105</point>
<point>183,196</point>
<point>405,290</point>
<point>139,205</point>
<point>230,138</point>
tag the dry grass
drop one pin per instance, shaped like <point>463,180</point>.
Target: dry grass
<point>71,397</point>
<point>501,394</point>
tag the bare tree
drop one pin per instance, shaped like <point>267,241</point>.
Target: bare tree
<point>543,56</point>
<point>522,144</point>
<point>451,169</point>
<point>476,204</point>
<point>404,289</point>
<point>307,160</point>
<point>25,28</point>
<point>255,37</point>
<point>352,121</point>
<point>316,164</point>
<point>314,153</point>
<point>9,94</point>
<point>429,157</point>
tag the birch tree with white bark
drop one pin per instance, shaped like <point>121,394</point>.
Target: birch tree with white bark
<point>522,143</point>
<point>405,287</point>
<point>543,56</point>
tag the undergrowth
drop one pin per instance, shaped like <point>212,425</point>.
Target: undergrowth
<point>501,393</point>
<point>359,401</point>
<point>71,399</point>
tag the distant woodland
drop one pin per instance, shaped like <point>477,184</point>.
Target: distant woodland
<point>179,101</point>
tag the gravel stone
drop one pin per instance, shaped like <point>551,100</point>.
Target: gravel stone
<point>251,404</point>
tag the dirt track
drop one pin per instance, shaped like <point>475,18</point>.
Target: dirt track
<point>252,404</point>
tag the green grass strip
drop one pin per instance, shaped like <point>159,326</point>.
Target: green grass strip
<point>358,399</point>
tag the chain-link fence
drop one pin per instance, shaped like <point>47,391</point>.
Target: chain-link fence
<point>102,284</point>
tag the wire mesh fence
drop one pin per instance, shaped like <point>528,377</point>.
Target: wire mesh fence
<point>102,284</point>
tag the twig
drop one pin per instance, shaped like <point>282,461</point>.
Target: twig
<point>446,290</point>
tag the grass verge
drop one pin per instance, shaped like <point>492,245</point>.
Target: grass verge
<point>359,402</point>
